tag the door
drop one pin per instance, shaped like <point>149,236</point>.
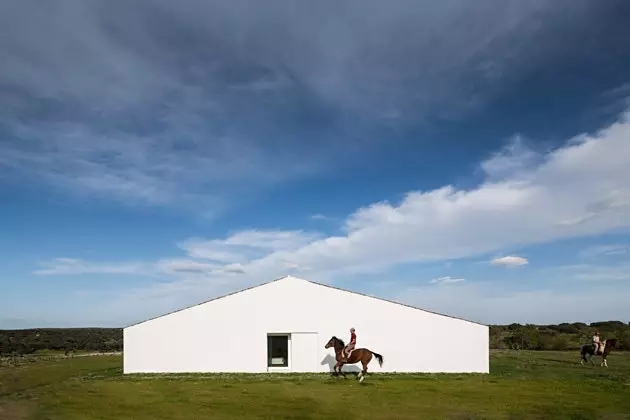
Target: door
<point>305,352</point>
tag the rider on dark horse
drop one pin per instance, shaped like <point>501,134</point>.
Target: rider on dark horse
<point>345,354</point>
<point>596,342</point>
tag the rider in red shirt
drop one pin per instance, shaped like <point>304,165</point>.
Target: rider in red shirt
<point>348,350</point>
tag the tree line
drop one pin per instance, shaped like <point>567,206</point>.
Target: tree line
<point>29,341</point>
<point>565,336</point>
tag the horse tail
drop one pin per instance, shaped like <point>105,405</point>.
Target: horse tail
<point>379,358</point>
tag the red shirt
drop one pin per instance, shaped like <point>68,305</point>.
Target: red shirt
<point>353,338</point>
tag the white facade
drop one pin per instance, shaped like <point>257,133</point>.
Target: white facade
<point>231,334</point>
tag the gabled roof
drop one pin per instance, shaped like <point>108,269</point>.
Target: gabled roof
<point>308,281</point>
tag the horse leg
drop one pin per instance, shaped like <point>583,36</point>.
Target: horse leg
<point>336,369</point>
<point>364,362</point>
<point>339,366</point>
<point>363,372</point>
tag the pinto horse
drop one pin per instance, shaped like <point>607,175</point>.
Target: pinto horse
<point>589,349</point>
<point>358,355</point>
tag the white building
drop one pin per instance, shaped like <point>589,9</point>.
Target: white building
<point>284,325</point>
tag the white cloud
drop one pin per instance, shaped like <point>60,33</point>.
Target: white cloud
<point>246,245</point>
<point>510,261</point>
<point>178,268</point>
<point>587,176</point>
<point>447,280</point>
<point>511,160</point>
<point>235,268</point>
<point>227,256</point>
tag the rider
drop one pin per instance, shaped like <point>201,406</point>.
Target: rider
<point>348,349</point>
<point>596,342</point>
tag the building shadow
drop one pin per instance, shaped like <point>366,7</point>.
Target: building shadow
<point>331,362</point>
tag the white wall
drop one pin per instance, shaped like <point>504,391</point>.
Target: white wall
<point>230,334</point>
<point>305,352</point>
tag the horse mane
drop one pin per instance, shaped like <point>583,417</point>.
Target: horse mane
<point>340,341</point>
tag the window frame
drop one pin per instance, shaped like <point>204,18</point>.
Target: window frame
<point>279,368</point>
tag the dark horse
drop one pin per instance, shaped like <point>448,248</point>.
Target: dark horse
<point>358,355</point>
<point>589,349</point>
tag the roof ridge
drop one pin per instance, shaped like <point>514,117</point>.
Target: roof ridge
<point>308,281</point>
<point>209,300</point>
<point>393,301</point>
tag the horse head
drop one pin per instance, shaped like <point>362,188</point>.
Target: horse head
<point>612,343</point>
<point>335,342</point>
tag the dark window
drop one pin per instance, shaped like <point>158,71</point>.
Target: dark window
<point>277,351</point>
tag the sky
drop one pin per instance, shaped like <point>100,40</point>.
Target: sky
<point>469,158</point>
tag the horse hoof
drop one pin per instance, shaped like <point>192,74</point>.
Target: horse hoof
<point>361,379</point>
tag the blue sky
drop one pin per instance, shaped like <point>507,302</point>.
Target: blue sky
<point>467,157</point>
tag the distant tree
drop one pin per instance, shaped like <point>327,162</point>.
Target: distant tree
<point>70,339</point>
<point>564,328</point>
<point>523,337</point>
<point>608,325</point>
<point>6,347</point>
<point>560,343</point>
<point>545,342</point>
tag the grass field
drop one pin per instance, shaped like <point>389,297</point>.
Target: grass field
<point>521,385</point>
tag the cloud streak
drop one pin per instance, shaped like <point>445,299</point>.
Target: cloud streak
<point>447,280</point>
<point>247,245</point>
<point>605,251</point>
<point>73,266</point>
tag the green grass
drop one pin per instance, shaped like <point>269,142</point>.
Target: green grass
<point>521,385</point>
